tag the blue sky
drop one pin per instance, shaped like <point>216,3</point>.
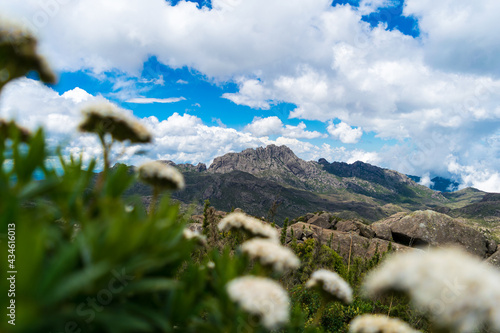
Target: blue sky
<point>387,82</point>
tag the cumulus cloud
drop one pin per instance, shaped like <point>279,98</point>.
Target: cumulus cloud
<point>251,93</point>
<point>344,132</point>
<point>476,176</point>
<point>274,126</point>
<point>459,34</point>
<point>181,138</point>
<point>437,94</point>
<point>265,126</point>
<point>426,180</point>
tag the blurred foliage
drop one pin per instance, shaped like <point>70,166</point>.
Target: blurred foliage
<point>89,260</point>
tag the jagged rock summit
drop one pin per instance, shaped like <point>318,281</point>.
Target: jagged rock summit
<point>278,163</point>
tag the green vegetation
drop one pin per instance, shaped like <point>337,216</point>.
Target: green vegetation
<point>103,264</point>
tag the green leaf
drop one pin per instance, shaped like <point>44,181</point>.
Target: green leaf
<point>152,285</point>
<point>78,281</point>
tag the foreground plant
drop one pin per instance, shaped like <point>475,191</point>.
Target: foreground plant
<point>250,226</point>
<point>18,55</point>
<point>277,257</point>
<point>331,287</point>
<point>262,297</point>
<point>459,292</point>
<point>105,118</point>
<point>161,177</point>
<point>379,324</point>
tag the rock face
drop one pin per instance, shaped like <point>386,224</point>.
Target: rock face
<point>495,258</point>
<point>395,182</point>
<point>346,244</point>
<point>356,227</point>
<point>279,164</point>
<point>323,220</point>
<point>422,228</point>
<point>200,167</point>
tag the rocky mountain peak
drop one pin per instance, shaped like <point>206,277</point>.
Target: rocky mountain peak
<point>278,163</point>
<point>257,160</point>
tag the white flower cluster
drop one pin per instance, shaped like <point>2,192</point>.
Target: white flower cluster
<point>107,118</point>
<point>379,324</point>
<point>162,175</point>
<point>331,285</point>
<point>271,254</point>
<point>459,292</point>
<point>188,234</point>
<point>261,297</point>
<point>18,48</point>
<point>248,224</point>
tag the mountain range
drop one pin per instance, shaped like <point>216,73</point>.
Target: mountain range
<point>274,183</point>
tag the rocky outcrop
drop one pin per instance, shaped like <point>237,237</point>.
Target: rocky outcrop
<point>422,228</point>
<point>495,258</point>
<point>382,231</point>
<point>279,164</point>
<point>346,244</point>
<point>323,220</point>
<point>356,227</point>
<point>396,183</point>
<point>186,167</point>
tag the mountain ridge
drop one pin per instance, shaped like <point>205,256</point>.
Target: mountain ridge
<point>258,179</point>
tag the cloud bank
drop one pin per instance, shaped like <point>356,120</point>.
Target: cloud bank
<point>437,94</point>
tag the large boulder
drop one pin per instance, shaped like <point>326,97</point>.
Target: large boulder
<point>348,245</point>
<point>382,231</point>
<point>495,258</point>
<point>355,226</point>
<point>424,228</point>
<point>321,220</point>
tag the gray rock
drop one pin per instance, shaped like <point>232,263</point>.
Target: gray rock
<point>321,220</point>
<point>423,228</point>
<point>492,246</point>
<point>355,226</point>
<point>494,259</point>
<point>382,231</point>
<point>279,164</point>
<point>347,245</point>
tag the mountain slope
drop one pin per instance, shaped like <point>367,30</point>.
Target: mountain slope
<point>257,179</point>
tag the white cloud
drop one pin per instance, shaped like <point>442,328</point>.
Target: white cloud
<point>326,60</point>
<point>475,176</point>
<point>459,35</point>
<point>182,138</point>
<point>426,180</point>
<point>274,126</point>
<point>265,126</point>
<point>251,94</point>
<point>144,100</point>
<point>344,132</point>
<point>77,95</point>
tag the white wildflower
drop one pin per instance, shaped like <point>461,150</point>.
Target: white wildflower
<point>458,291</point>
<point>271,254</point>
<point>18,48</point>
<point>210,265</point>
<point>261,297</point>
<point>379,324</point>
<point>7,128</point>
<point>251,225</point>
<point>105,117</point>
<point>330,285</point>
<point>161,175</point>
<point>194,235</point>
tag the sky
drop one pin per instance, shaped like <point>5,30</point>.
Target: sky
<point>408,85</point>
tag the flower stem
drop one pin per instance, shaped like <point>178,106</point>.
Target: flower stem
<point>319,313</point>
<point>152,204</point>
